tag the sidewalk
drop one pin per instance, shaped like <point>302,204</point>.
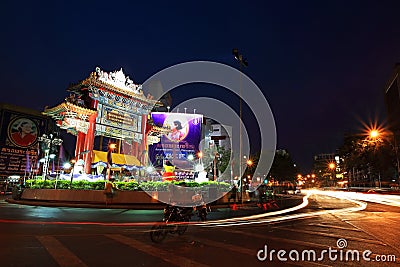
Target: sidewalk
<point>131,213</point>
<point>283,202</point>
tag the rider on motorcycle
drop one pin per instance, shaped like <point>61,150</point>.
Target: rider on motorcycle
<point>200,206</point>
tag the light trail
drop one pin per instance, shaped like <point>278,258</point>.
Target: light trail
<point>269,217</point>
<point>263,218</point>
<point>391,200</point>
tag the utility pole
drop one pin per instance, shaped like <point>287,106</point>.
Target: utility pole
<point>243,63</point>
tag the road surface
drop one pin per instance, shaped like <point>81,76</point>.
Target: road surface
<point>328,229</point>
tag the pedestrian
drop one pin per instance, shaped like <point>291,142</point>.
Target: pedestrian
<point>233,194</point>
<point>109,190</point>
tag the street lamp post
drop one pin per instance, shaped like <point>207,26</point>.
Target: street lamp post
<point>215,165</point>
<point>332,167</point>
<point>48,142</point>
<point>111,148</point>
<point>243,63</point>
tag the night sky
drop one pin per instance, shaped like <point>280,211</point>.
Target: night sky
<point>322,65</point>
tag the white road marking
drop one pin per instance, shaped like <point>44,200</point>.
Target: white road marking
<point>62,255</point>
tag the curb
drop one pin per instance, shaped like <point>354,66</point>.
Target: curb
<point>149,206</point>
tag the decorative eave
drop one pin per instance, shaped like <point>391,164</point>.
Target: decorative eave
<point>100,84</point>
<point>116,82</point>
<point>59,112</point>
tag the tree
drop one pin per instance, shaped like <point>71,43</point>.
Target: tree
<point>283,167</point>
<point>221,156</point>
<point>367,160</point>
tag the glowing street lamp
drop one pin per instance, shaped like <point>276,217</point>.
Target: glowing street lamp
<point>67,165</point>
<point>332,167</point>
<point>112,146</point>
<point>373,134</point>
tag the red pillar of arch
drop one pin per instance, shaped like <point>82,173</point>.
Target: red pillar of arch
<point>79,146</point>
<point>143,145</point>
<point>89,138</point>
<point>89,142</point>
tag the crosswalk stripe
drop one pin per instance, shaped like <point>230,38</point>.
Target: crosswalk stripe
<point>296,242</point>
<point>334,227</point>
<point>243,250</point>
<point>226,246</point>
<point>62,255</point>
<point>279,239</point>
<point>155,252</point>
<point>332,235</point>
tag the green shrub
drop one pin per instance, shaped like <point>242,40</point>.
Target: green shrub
<point>133,186</point>
<point>155,186</point>
<point>187,184</point>
<point>82,184</point>
<point>63,184</point>
<point>98,185</point>
<point>129,186</point>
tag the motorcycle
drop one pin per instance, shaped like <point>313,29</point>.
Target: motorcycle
<point>202,212</point>
<point>174,222</point>
<point>201,207</point>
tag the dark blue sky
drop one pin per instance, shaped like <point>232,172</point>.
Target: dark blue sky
<point>321,65</point>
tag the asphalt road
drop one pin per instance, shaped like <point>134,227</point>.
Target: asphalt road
<point>335,226</point>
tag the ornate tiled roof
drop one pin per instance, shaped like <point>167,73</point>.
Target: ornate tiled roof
<point>67,109</point>
<point>115,82</point>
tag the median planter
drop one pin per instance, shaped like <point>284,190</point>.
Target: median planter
<point>98,196</point>
<point>88,196</point>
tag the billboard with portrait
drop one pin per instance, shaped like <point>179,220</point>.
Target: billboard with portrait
<point>182,139</point>
<point>19,140</point>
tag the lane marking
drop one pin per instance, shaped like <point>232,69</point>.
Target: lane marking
<point>367,232</point>
<point>371,241</point>
<point>296,242</point>
<point>155,252</point>
<point>246,251</point>
<point>279,239</point>
<point>334,227</point>
<point>63,256</point>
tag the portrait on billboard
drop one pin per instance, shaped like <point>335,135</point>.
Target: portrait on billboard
<point>22,132</point>
<point>178,131</point>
